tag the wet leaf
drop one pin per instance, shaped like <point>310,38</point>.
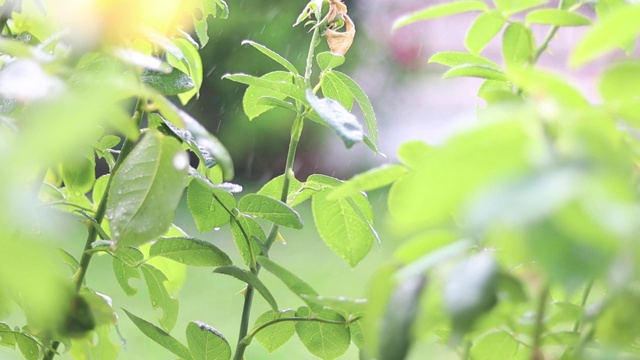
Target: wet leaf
<point>207,343</point>
<point>209,205</point>
<point>145,190</point>
<point>125,270</point>
<point>268,208</point>
<point>276,335</point>
<point>189,251</point>
<point>173,83</point>
<point>160,336</point>
<point>159,296</point>
<point>338,118</point>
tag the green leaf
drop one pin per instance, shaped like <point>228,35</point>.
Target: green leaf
<point>270,209</point>
<point>423,244</point>
<point>251,279</point>
<point>621,82</point>
<point>207,343</point>
<point>160,297</point>
<point>100,306</point>
<point>400,315</point>
<point>191,64</point>
<point>96,346</point>
<point>7,337</point>
<point>273,55</point>
<point>28,346</point>
<point>615,30</point>
<point>209,205</point>
<point>326,341</point>
<point>160,336</point>
<point>479,71</point>
<point>291,280</point>
<point>545,85</point>
<point>440,10</point>
<point>484,28</point>
<point>276,335</point>
<point>341,226</point>
<point>493,91</point>
<point>79,174</point>
<point>455,58</point>
<point>253,102</point>
<point>146,189</point>
<point>338,118</point>
<point>189,251</point>
<point>332,87</point>
<point>281,86</point>
<point>370,180</point>
<point>297,193</point>
<point>517,45</point>
<point>494,346</point>
<point>203,153</point>
<point>328,60</point>
<point>556,17</point>
<point>173,83</point>
<point>124,270</point>
<point>346,306</point>
<point>513,6</point>
<point>247,232</point>
<point>205,9</point>
<point>364,103</point>
<point>470,291</point>
<point>202,137</point>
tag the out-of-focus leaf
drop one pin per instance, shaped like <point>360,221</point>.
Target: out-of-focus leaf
<point>346,306</point>
<point>495,345</point>
<point>79,174</point>
<point>268,208</point>
<point>98,346</point>
<point>189,251</point>
<point>478,71</point>
<point>401,312</point>
<point>207,343</point>
<point>28,346</point>
<point>440,10</point>
<point>618,28</point>
<point>206,8</point>
<point>146,189</point>
<point>511,7</point>
<point>338,118</point>
<point>455,58</point>
<point>160,336</point>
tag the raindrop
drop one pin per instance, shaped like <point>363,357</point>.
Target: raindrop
<point>154,303</point>
<point>216,229</point>
<point>181,259</point>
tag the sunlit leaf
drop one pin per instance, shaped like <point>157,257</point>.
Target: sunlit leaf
<point>207,343</point>
<point>370,180</point>
<point>615,30</point>
<point>328,60</point>
<point>440,10</point>
<point>251,101</point>
<point>495,345</point>
<point>338,118</point>
<point>273,55</point>
<point>556,17</point>
<point>484,28</point>
<point>146,189</point>
<point>517,45</point>
<point>514,6</point>
<point>172,83</point>
<point>160,336</point>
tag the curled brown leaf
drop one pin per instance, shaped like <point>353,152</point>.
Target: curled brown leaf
<point>340,42</point>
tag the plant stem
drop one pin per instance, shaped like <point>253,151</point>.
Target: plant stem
<point>296,132</point>
<point>536,353</point>
<point>550,35</point>
<point>100,213</point>
<point>583,302</point>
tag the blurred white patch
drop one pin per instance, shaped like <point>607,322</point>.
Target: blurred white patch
<point>181,161</point>
<point>25,81</point>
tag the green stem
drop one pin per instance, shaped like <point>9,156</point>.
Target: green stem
<point>552,32</point>
<point>296,132</point>
<point>100,213</point>
<point>536,352</point>
<point>583,302</point>
<point>254,332</point>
